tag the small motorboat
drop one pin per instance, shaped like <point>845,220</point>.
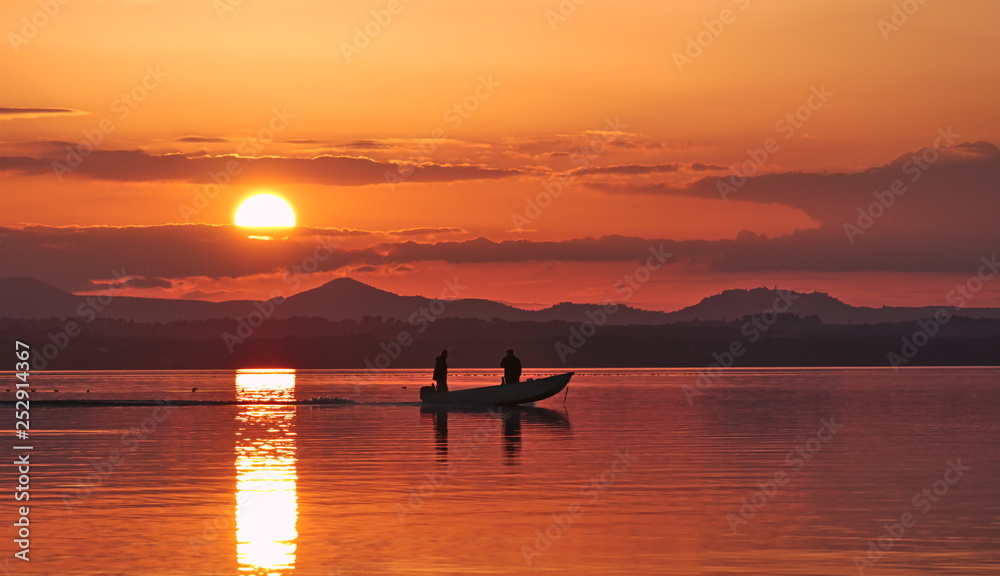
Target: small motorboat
<point>500,395</point>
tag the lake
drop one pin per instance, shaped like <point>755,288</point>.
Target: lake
<point>759,471</point>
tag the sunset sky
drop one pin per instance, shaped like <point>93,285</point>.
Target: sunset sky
<point>534,150</point>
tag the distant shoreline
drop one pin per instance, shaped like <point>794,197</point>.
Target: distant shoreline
<point>375,344</point>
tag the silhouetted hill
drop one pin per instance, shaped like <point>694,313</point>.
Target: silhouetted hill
<point>735,304</point>
<point>167,310</point>
<point>32,299</point>
<point>485,310</point>
<point>622,315</point>
<point>348,299</point>
<point>22,297</point>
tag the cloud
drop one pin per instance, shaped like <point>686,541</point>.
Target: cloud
<point>426,231</point>
<point>78,258</point>
<point>73,257</point>
<point>700,167</point>
<point>365,145</point>
<point>208,295</point>
<point>25,113</point>
<point>635,169</point>
<point>947,200</point>
<point>136,282</point>
<point>629,169</point>
<point>82,258</point>
<point>484,250</point>
<point>635,143</point>
<point>944,220</point>
<point>141,166</point>
<point>201,139</point>
<point>965,174</point>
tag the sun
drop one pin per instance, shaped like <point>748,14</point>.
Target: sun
<point>265,211</point>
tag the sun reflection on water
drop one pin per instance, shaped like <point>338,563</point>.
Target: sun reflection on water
<point>266,500</point>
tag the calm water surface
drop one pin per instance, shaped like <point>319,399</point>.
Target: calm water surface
<point>818,472</point>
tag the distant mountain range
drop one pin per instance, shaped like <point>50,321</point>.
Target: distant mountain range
<point>345,298</point>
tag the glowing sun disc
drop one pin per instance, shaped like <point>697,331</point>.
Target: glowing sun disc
<point>265,211</point>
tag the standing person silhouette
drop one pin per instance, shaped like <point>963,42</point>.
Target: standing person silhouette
<point>511,368</point>
<point>441,371</point>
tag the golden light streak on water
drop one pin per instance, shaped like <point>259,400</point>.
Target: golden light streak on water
<point>266,499</point>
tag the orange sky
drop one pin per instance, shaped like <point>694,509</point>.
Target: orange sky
<point>616,106</point>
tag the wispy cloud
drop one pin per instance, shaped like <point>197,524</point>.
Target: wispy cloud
<point>201,139</point>
<point>635,169</point>
<point>27,113</point>
<point>142,166</point>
